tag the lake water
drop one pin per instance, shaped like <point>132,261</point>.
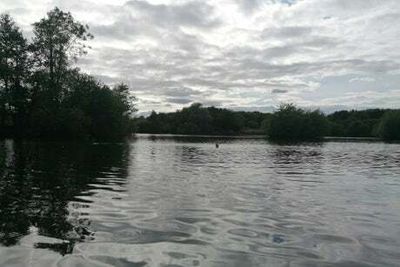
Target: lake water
<point>176,201</point>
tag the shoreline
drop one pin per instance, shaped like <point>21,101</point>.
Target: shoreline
<point>352,139</point>
<point>325,138</point>
<point>149,135</point>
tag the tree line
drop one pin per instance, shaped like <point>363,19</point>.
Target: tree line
<point>43,96</point>
<point>197,119</point>
<point>287,123</point>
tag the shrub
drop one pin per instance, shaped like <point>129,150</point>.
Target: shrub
<point>291,123</point>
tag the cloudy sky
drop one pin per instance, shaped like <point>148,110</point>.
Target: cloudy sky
<point>240,54</point>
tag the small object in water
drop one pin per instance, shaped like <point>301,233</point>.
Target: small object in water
<point>216,145</point>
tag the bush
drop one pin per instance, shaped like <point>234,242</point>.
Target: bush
<point>290,123</point>
<point>389,126</point>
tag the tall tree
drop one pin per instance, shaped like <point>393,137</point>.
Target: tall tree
<point>127,99</point>
<point>58,40</point>
<point>13,72</point>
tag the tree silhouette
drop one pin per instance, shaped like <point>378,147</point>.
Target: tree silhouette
<point>291,123</point>
<point>389,127</point>
<point>14,71</point>
<point>42,96</point>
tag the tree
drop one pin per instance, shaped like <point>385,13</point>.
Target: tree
<point>127,99</point>
<point>389,126</point>
<point>194,120</point>
<point>359,123</point>
<point>58,40</point>
<point>13,72</point>
<point>100,112</point>
<point>291,123</point>
<point>41,96</point>
<point>286,123</point>
<point>197,119</point>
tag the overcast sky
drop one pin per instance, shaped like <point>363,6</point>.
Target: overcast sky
<point>240,54</point>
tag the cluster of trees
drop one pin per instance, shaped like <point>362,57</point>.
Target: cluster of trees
<point>389,126</point>
<point>291,123</point>
<point>43,96</point>
<point>197,119</point>
<point>363,123</point>
<point>288,123</point>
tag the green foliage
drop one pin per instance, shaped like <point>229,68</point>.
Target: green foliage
<point>58,39</point>
<point>197,119</point>
<point>354,123</point>
<point>42,96</point>
<point>14,63</point>
<point>290,123</point>
<point>389,126</point>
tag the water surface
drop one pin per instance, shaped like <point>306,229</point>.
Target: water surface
<point>179,201</point>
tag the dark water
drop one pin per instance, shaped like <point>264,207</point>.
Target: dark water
<point>182,202</point>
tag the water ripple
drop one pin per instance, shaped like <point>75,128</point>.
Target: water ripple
<point>159,201</point>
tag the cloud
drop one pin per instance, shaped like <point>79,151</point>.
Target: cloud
<point>279,91</point>
<point>178,100</point>
<point>249,54</point>
<point>140,18</point>
<point>181,92</point>
<point>192,14</point>
<point>361,79</point>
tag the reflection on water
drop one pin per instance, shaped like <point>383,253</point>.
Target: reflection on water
<point>38,184</point>
<point>176,201</point>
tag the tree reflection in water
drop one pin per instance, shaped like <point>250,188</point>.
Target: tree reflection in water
<point>39,180</point>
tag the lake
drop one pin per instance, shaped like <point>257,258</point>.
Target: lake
<point>180,201</point>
